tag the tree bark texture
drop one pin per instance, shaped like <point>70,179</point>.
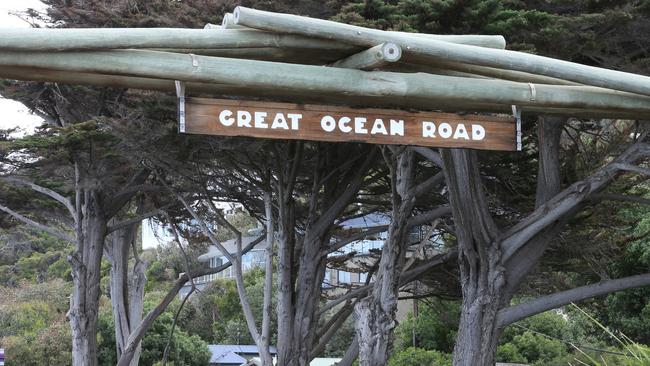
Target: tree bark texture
<point>302,258</point>
<point>126,288</point>
<point>86,267</point>
<point>375,314</point>
<point>479,257</point>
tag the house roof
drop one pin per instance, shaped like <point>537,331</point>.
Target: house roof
<point>226,358</point>
<point>238,348</point>
<point>231,247</point>
<point>363,222</point>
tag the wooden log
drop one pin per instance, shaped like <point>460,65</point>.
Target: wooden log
<point>228,22</point>
<point>425,90</point>
<point>289,55</point>
<point>479,40</point>
<point>479,71</point>
<point>56,39</point>
<point>212,26</point>
<point>258,19</point>
<point>437,50</point>
<point>272,93</point>
<point>372,58</point>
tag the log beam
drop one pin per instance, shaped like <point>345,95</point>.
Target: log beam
<point>436,50</point>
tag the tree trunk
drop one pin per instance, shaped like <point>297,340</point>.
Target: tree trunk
<point>479,258</point>
<point>86,266</point>
<point>308,293</point>
<point>126,291</point>
<point>376,314</point>
<point>286,241</point>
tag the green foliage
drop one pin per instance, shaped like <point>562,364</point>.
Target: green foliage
<point>106,347</point>
<point>435,326</point>
<point>241,220</point>
<point>215,313</point>
<point>33,328</point>
<point>537,348</point>
<point>537,340</point>
<point>629,311</point>
<point>185,350</point>
<point>508,352</point>
<point>49,346</point>
<point>338,345</point>
<point>418,357</point>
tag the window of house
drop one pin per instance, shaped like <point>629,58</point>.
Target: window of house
<point>344,277</point>
<point>363,277</point>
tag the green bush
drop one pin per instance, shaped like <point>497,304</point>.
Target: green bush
<point>417,357</point>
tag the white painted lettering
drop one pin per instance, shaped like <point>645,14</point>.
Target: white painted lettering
<point>225,117</point>
<point>445,130</point>
<point>428,129</point>
<point>328,123</point>
<point>360,125</point>
<point>397,127</point>
<point>461,132</point>
<point>244,119</point>
<point>378,127</point>
<point>260,121</point>
<point>295,120</point>
<point>280,122</point>
<point>478,132</point>
<point>344,124</point>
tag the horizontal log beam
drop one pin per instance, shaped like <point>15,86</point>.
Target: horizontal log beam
<point>479,71</point>
<point>435,50</point>
<point>69,39</point>
<point>286,54</point>
<point>270,91</point>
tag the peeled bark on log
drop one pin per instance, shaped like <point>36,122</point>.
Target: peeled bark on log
<point>427,91</point>
<point>68,39</point>
<point>131,82</point>
<point>372,58</point>
<point>304,56</point>
<point>228,22</point>
<point>438,50</point>
<point>467,70</point>
<point>277,22</point>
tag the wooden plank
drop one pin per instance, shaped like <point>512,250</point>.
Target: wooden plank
<point>340,124</point>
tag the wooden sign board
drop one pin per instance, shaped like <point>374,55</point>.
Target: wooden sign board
<point>332,123</point>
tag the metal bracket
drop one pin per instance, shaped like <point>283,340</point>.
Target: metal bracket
<point>180,93</point>
<point>516,112</point>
